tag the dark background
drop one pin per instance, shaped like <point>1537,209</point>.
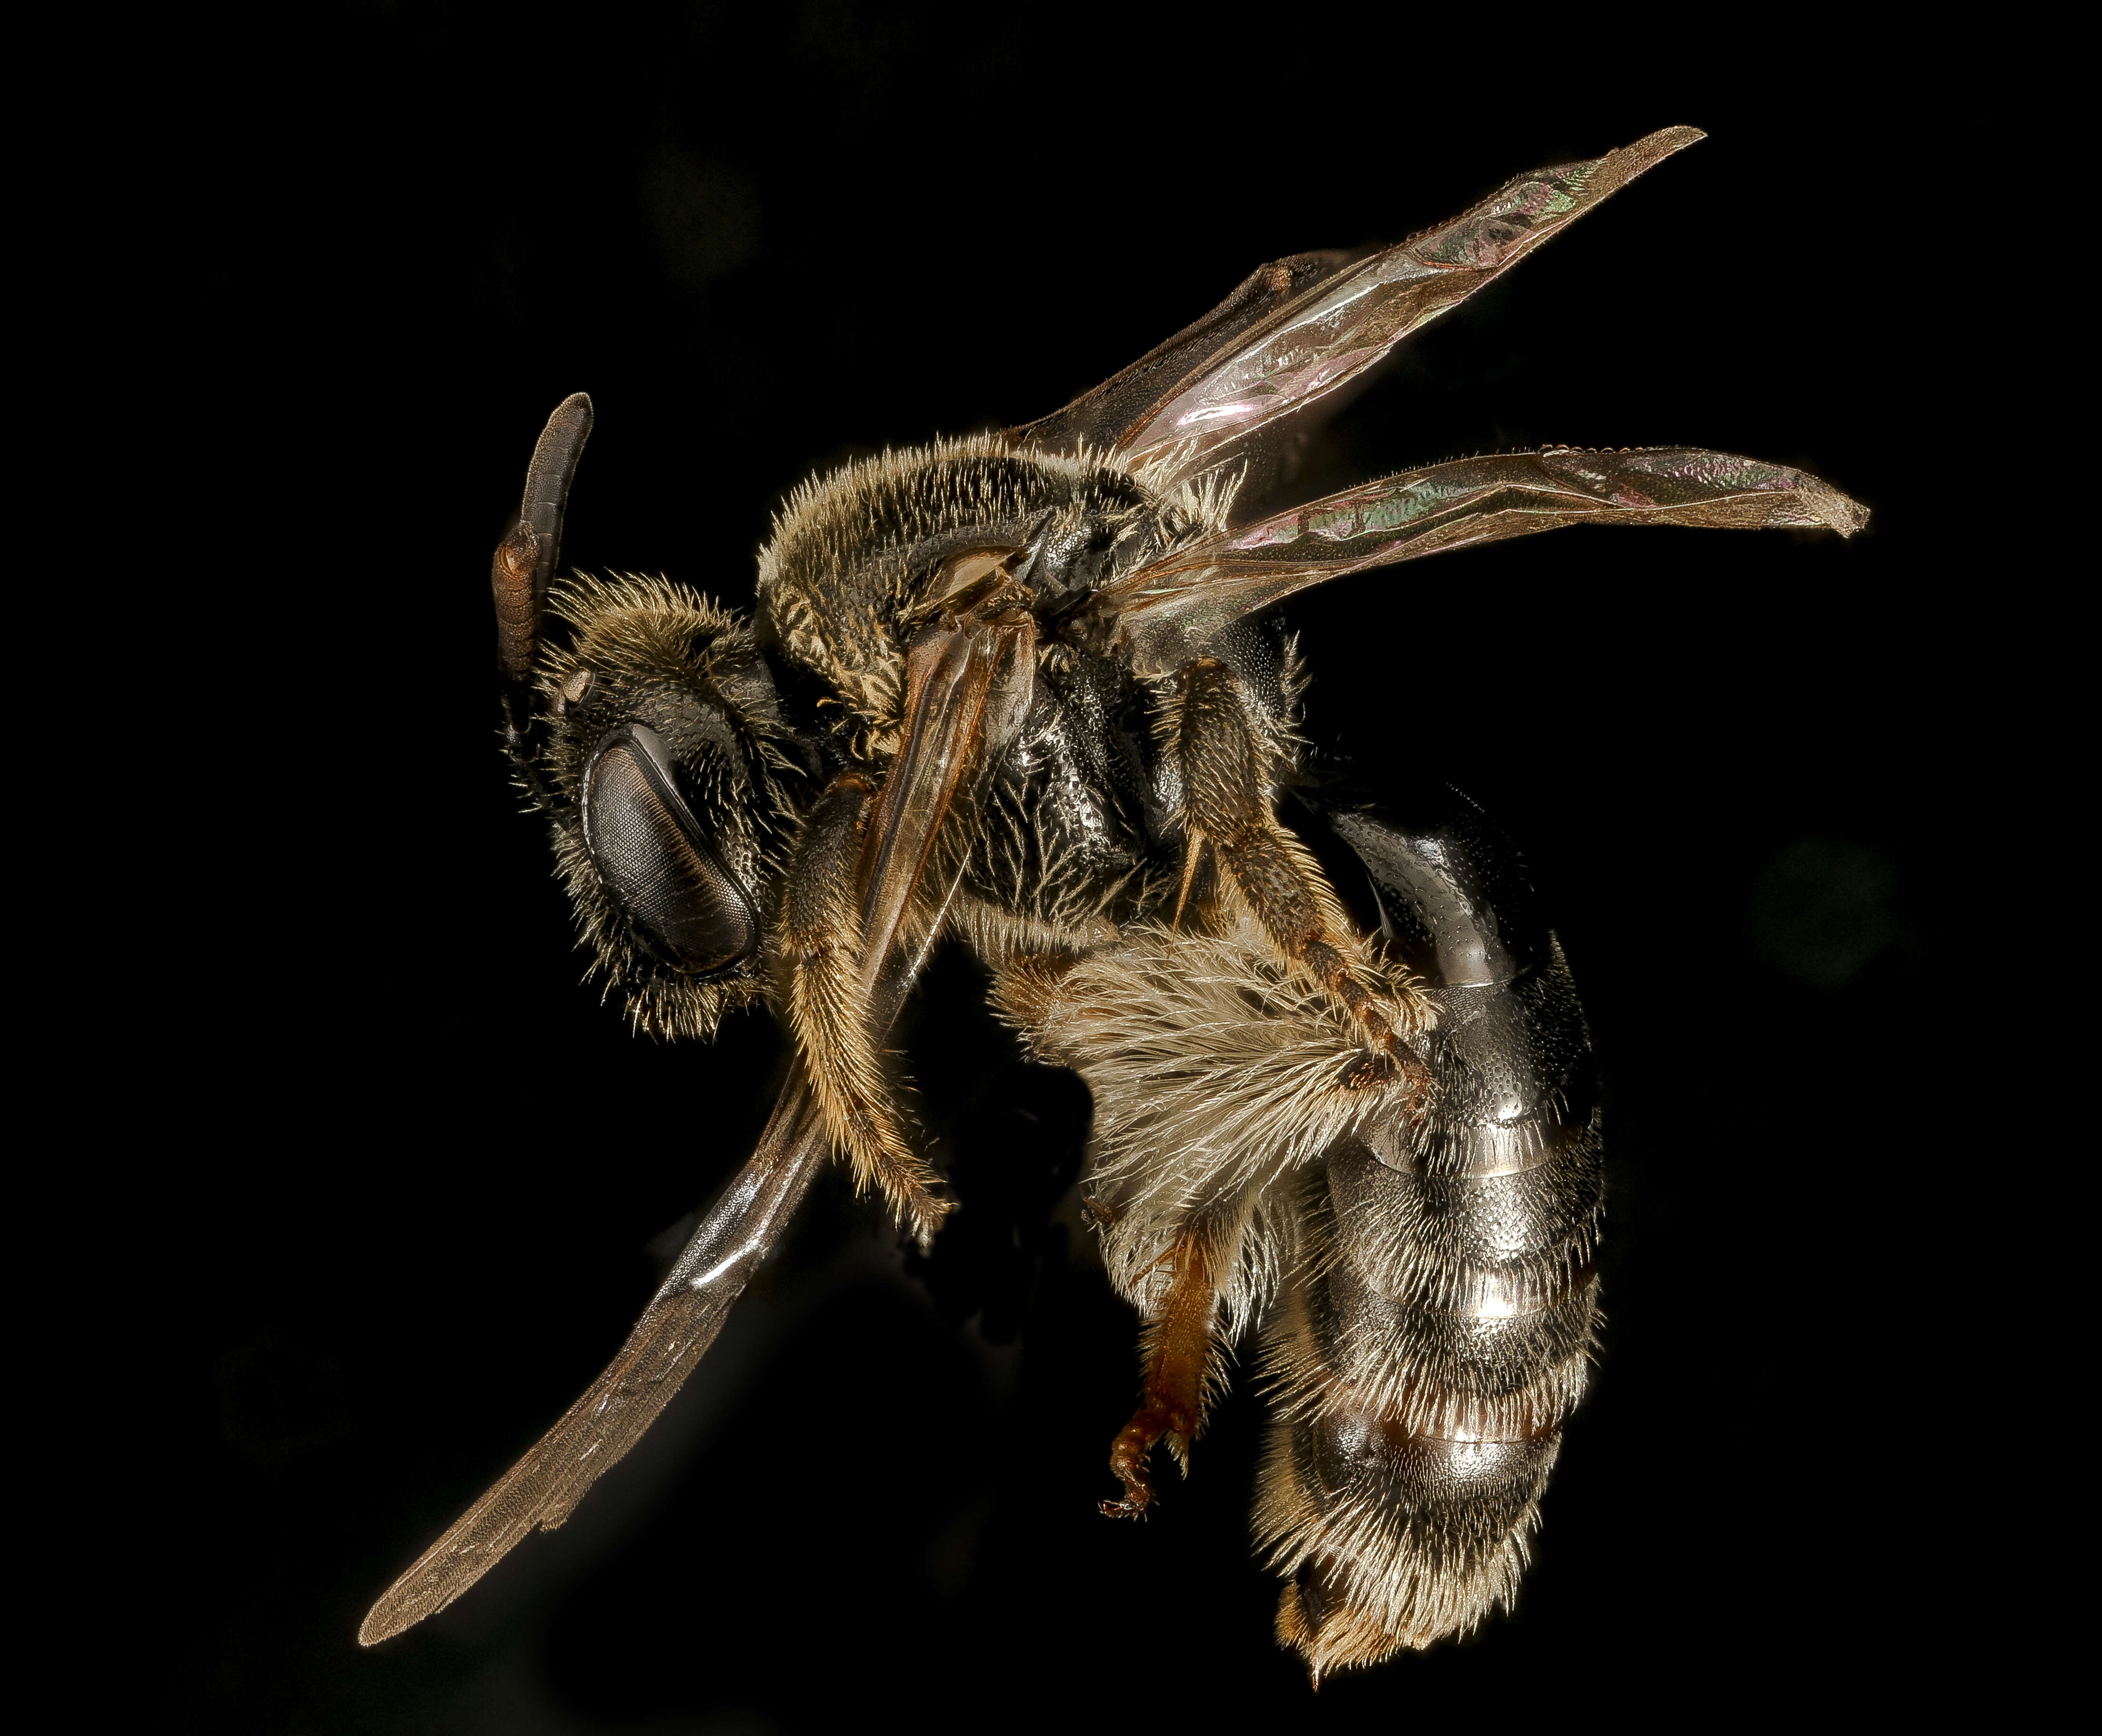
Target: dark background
<point>428,1168</point>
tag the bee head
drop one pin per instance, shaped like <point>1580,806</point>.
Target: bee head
<point>675,793</point>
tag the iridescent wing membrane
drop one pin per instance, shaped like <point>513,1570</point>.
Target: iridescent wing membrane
<point>1160,615</point>
<point>1293,333</point>
<point>1299,330</point>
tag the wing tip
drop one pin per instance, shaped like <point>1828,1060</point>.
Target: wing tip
<point>1617,168</point>
<point>381,1623</point>
<point>1667,141</point>
<point>1835,511</point>
<point>419,1594</point>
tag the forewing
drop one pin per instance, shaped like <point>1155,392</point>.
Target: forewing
<point>1128,400</point>
<point>671,1338</point>
<point>1164,613</point>
<point>1328,332</point>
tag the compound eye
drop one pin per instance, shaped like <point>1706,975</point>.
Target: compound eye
<point>654,861</point>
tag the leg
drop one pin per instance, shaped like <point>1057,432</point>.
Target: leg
<point>1226,768</point>
<point>1176,1350</point>
<point>828,1006</point>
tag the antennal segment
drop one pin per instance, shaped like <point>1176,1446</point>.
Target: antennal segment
<point>527,557</point>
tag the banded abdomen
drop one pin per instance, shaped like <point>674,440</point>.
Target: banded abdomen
<point>1437,1330</point>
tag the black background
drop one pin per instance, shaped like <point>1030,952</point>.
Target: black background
<point>429,1167</point>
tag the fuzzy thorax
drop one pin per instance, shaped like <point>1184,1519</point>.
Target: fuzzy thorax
<point>844,572</point>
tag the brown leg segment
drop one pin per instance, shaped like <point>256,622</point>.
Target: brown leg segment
<point>828,1005</point>
<point>1177,1352</point>
<point>1225,782</point>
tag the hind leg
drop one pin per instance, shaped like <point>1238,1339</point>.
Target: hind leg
<point>1179,1352</point>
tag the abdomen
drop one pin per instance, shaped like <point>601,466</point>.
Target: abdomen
<point>1439,1329</point>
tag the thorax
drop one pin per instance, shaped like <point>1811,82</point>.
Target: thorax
<point>1077,828</point>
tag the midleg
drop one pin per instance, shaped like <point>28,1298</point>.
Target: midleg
<point>1226,767</point>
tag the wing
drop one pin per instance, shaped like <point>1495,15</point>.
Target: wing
<point>1302,328</point>
<point>1164,613</point>
<point>671,1338</point>
<point>1133,398</point>
<point>968,688</point>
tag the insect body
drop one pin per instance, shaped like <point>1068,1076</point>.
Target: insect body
<point>1022,690</point>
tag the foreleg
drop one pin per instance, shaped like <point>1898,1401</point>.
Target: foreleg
<point>828,998</point>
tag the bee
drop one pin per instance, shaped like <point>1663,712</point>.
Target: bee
<point>1026,691</point>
